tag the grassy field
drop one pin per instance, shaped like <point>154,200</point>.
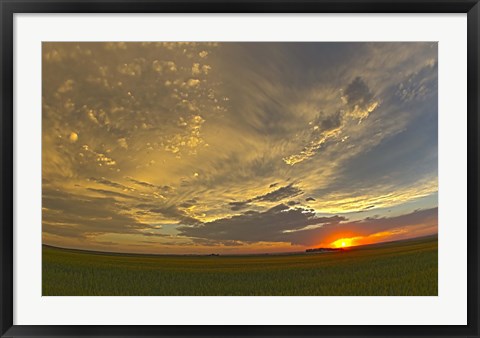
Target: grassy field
<point>400,268</point>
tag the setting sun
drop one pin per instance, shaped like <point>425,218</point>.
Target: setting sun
<point>343,243</point>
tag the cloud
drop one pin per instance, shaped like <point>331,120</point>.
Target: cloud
<point>358,103</point>
<point>189,203</point>
<point>235,206</point>
<point>111,184</point>
<point>276,195</point>
<point>144,184</point>
<point>284,224</point>
<point>358,95</point>
<point>162,189</point>
<point>110,193</point>
<point>123,142</point>
<point>419,85</point>
<point>67,214</point>
<point>175,213</point>
<point>279,194</point>
<point>258,226</point>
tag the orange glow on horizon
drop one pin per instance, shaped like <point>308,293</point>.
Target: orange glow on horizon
<point>343,242</point>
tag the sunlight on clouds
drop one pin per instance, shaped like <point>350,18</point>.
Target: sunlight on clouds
<point>311,149</point>
<point>358,104</point>
<point>375,197</point>
<point>149,146</point>
<point>73,137</point>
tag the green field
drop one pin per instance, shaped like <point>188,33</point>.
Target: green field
<point>399,268</point>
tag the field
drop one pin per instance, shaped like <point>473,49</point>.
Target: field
<point>398,268</point>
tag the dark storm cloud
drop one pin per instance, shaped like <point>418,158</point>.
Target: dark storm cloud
<point>282,224</point>
<point>259,226</point>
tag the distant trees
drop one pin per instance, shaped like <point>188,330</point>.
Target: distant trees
<point>324,250</point>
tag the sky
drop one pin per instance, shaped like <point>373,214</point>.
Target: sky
<point>196,148</point>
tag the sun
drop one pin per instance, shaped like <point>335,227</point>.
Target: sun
<point>342,243</point>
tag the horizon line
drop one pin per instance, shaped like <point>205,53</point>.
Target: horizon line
<point>230,254</point>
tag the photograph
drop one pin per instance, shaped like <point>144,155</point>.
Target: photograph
<point>246,168</point>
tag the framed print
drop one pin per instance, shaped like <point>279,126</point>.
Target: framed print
<point>239,169</point>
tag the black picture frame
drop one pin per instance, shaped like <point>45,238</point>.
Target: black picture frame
<point>10,7</point>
